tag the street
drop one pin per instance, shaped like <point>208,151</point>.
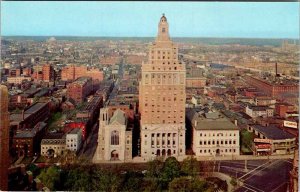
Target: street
<point>90,147</point>
<point>260,176</point>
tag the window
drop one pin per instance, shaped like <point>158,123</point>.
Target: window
<point>114,138</point>
<point>163,30</point>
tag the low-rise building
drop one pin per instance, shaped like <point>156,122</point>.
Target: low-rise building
<point>271,140</point>
<point>213,134</point>
<point>38,112</point>
<point>74,140</point>
<point>18,79</point>
<point>53,145</point>
<point>196,100</point>
<point>26,142</point>
<point>80,89</point>
<point>265,101</point>
<point>258,111</point>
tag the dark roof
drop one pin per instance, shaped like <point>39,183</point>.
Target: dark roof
<point>34,108</point>
<point>258,108</point>
<point>59,135</point>
<point>273,132</point>
<point>31,133</point>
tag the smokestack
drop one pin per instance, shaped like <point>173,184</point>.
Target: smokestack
<point>276,69</point>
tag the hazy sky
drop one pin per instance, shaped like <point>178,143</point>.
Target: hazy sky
<point>140,19</point>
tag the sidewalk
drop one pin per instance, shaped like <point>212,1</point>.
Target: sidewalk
<point>208,158</point>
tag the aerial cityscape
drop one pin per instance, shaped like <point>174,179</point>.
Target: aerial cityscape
<point>158,107</point>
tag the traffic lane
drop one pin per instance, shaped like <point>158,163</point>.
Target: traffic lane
<point>237,168</point>
<point>271,177</point>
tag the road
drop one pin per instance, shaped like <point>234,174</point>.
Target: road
<point>89,149</point>
<point>260,176</point>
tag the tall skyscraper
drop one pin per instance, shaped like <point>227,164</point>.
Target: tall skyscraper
<point>162,98</point>
<point>4,138</point>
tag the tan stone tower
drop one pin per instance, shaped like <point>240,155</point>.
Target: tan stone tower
<point>162,98</point>
<point>4,138</point>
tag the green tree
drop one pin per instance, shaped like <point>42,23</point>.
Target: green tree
<point>189,185</point>
<point>247,138</point>
<point>190,166</point>
<point>50,177</point>
<point>154,168</point>
<point>105,181</point>
<point>171,170</point>
<point>78,179</point>
<point>132,181</point>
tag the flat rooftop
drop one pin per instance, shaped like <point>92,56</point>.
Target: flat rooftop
<point>273,132</point>
<point>210,121</point>
<point>36,107</point>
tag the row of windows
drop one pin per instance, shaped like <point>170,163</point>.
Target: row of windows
<point>163,142</point>
<point>53,148</point>
<point>162,134</point>
<point>218,134</point>
<point>164,52</point>
<point>163,57</point>
<point>164,89</point>
<point>217,142</point>
<point>71,145</point>
<point>208,151</point>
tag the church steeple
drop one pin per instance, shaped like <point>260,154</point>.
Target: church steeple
<point>163,29</point>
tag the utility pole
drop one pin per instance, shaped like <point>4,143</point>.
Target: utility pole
<point>246,169</point>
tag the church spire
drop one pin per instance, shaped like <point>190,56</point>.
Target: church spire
<point>163,29</point>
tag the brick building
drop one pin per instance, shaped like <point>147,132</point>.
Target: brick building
<point>30,117</point>
<point>80,89</point>
<point>4,138</point>
<point>48,73</point>
<point>27,142</point>
<point>162,98</point>
<point>72,72</point>
<point>276,90</point>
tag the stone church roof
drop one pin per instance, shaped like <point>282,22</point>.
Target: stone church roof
<point>119,117</point>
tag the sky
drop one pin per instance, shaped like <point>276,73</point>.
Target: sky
<point>140,19</point>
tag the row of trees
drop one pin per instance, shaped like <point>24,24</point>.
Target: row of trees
<point>169,175</point>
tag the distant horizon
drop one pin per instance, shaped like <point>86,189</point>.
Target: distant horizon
<point>130,19</point>
<point>275,38</point>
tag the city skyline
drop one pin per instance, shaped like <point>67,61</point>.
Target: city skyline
<point>113,19</point>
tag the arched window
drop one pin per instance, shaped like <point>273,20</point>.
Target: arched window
<point>114,138</point>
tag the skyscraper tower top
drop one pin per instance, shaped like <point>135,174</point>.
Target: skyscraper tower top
<point>163,30</point>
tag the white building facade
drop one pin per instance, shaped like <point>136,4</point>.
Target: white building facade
<point>114,137</point>
<point>74,140</point>
<point>213,135</point>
